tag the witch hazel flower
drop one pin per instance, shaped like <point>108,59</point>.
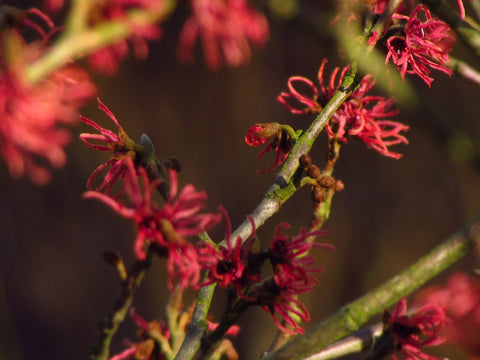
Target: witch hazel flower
<point>425,43</point>
<point>32,136</point>
<point>361,115</point>
<point>410,332</point>
<point>278,297</point>
<point>118,143</point>
<point>227,265</point>
<point>289,256</point>
<point>108,58</point>
<point>227,29</point>
<point>280,138</point>
<point>164,226</point>
<point>292,276</point>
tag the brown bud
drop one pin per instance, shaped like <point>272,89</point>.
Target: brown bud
<point>305,160</point>
<point>318,194</point>
<point>111,257</point>
<point>314,172</point>
<point>339,185</point>
<point>326,181</point>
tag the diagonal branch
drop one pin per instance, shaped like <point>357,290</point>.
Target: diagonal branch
<point>353,315</point>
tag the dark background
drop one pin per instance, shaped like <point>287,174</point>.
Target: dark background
<point>54,285</point>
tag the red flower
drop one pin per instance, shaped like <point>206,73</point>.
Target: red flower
<point>226,265</point>
<point>33,114</point>
<point>120,144</point>
<point>167,226</point>
<point>461,297</point>
<point>358,116</point>
<point>226,27</point>
<point>279,297</point>
<point>289,257</point>
<point>281,141</point>
<point>291,267</point>
<point>426,43</point>
<point>107,59</point>
<point>410,332</point>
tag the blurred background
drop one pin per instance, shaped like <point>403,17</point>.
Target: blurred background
<point>55,287</point>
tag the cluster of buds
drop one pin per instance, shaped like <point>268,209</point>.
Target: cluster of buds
<point>319,182</point>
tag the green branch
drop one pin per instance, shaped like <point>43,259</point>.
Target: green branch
<point>113,321</point>
<point>76,44</point>
<point>352,316</point>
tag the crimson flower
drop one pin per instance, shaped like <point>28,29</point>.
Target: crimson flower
<point>119,144</point>
<point>425,44</point>
<point>360,116</point>
<point>107,59</point>
<point>289,257</point>
<point>226,28</point>
<point>279,298</point>
<point>281,137</point>
<point>291,267</point>
<point>31,131</point>
<point>167,225</point>
<point>410,332</point>
<point>226,265</point>
<point>461,297</point>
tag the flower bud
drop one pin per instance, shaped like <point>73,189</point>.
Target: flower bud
<point>339,185</point>
<point>305,161</point>
<point>318,194</point>
<point>314,172</point>
<point>258,134</point>
<point>326,181</point>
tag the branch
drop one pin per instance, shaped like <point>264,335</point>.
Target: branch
<point>279,192</point>
<point>112,322</point>
<point>464,70</point>
<point>283,186</point>
<point>350,317</point>
<point>76,44</point>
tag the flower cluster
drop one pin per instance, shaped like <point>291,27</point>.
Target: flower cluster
<point>360,116</point>
<point>411,332</point>
<point>165,226</point>
<point>227,265</point>
<point>31,132</point>
<point>226,28</point>
<point>424,44</point>
<point>291,268</point>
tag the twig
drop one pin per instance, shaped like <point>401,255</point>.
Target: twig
<point>73,45</point>
<point>464,70</point>
<point>112,322</point>
<point>360,341</point>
